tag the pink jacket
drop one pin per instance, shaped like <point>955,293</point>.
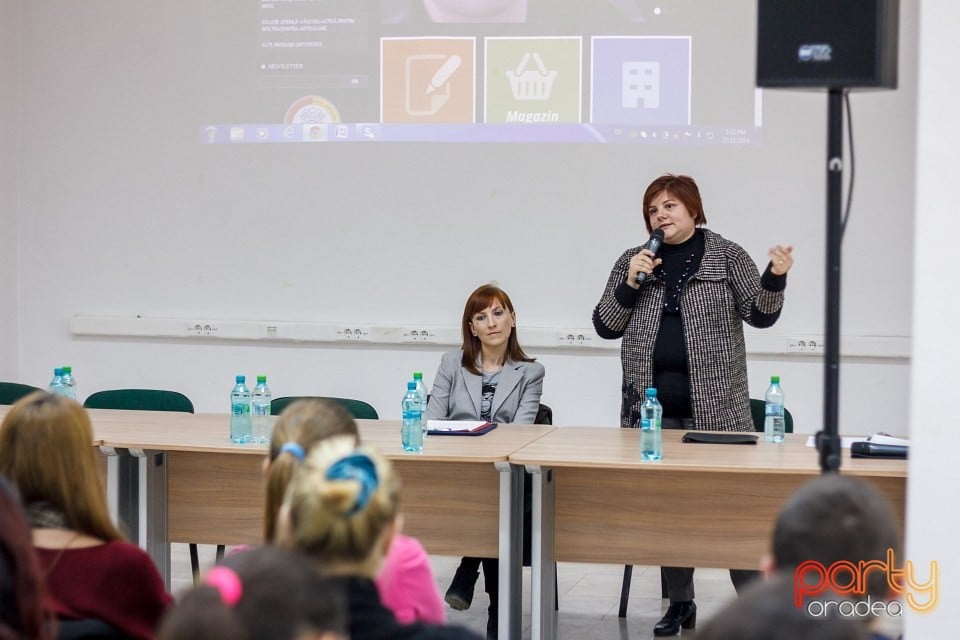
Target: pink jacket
<point>407,585</point>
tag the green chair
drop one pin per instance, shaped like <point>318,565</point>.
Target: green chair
<point>758,414</point>
<point>150,400</point>
<point>359,409</point>
<point>139,400</point>
<point>10,392</point>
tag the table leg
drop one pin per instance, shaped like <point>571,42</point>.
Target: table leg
<point>511,549</point>
<point>154,490</point>
<point>137,482</point>
<point>543,616</point>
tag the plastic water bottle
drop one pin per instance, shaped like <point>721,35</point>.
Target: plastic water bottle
<point>56,383</point>
<point>651,421</point>
<point>260,411</point>
<point>69,382</point>
<point>773,422</point>
<point>240,427</point>
<point>411,433</point>
<point>422,393</point>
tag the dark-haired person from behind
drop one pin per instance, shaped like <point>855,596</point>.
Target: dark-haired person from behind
<point>22,614</point>
<point>765,611</point>
<point>680,313</point>
<point>835,518</point>
<point>260,594</point>
<point>489,378</point>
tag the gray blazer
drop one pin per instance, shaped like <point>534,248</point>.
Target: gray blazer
<point>456,392</point>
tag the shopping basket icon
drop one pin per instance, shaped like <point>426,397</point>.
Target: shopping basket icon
<point>531,81</point>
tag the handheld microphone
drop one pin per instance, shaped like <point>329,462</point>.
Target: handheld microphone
<point>653,246</point>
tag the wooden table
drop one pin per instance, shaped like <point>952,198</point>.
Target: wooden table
<point>703,505</point>
<point>460,496</point>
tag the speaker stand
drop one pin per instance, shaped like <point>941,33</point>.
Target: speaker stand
<point>828,440</point>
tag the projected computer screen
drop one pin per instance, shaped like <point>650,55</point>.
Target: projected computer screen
<point>592,71</point>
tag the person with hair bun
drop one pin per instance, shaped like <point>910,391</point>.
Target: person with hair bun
<point>341,511</point>
<point>261,594</point>
<point>406,582</point>
<point>92,573</point>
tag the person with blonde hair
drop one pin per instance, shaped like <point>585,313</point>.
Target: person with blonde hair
<point>406,582</point>
<point>341,511</point>
<point>92,573</point>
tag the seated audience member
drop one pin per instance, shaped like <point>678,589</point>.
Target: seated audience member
<point>765,611</point>
<point>341,512</point>
<point>838,518</point>
<point>261,594</point>
<point>406,582</point>
<point>46,450</point>
<point>22,614</point>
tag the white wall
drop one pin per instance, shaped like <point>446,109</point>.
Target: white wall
<point>150,222</point>
<point>9,149</point>
<point>932,516</point>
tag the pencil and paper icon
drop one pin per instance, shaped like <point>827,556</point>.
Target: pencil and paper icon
<point>442,76</point>
<point>437,69</point>
<point>531,82</point>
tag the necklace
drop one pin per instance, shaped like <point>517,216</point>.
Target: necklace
<point>674,286</point>
<point>56,558</point>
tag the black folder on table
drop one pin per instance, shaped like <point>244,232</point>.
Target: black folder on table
<point>719,438</point>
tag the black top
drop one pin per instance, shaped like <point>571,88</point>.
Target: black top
<point>370,620</point>
<point>670,377</point>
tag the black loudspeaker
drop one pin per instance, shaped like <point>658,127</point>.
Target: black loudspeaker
<point>827,43</point>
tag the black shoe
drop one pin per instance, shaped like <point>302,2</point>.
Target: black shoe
<point>680,614</point>
<point>460,593</point>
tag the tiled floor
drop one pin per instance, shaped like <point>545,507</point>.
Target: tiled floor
<point>589,597</point>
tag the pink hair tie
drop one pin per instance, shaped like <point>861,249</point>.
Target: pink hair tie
<point>227,582</point>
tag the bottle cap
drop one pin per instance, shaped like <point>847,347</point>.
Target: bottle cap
<point>241,379</point>
<point>411,386</point>
<point>417,375</point>
<point>651,392</point>
<point>58,371</point>
<point>775,379</point>
<point>261,379</point>
<point>66,368</point>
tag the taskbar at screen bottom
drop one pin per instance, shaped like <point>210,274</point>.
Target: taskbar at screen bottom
<point>545,133</point>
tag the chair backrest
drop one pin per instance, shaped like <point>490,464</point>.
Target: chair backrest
<point>89,629</point>
<point>758,413</point>
<point>359,409</point>
<point>139,400</point>
<point>10,392</point>
<point>544,415</point>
